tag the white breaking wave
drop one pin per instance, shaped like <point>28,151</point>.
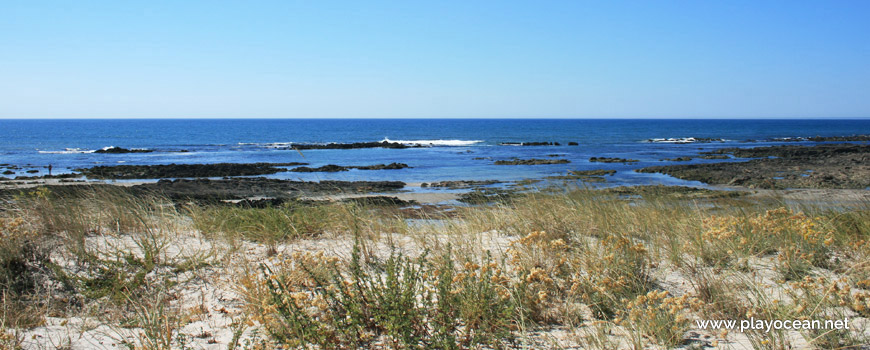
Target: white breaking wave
<point>686,140</point>
<point>79,150</point>
<point>278,144</point>
<point>674,140</point>
<point>70,151</point>
<point>434,142</point>
<point>267,144</point>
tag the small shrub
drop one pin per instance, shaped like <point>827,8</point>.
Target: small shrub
<point>798,239</point>
<point>404,302</point>
<point>619,270</point>
<point>821,299</point>
<point>24,274</point>
<point>659,316</point>
<point>545,267</point>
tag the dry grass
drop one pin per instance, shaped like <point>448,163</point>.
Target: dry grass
<point>615,270</point>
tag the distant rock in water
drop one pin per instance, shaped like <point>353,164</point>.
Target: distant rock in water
<point>596,175</point>
<point>782,167</point>
<point>794,152</point>
<point>531,161</point>
<point>391,166</point>
<point>379,201</point>
<point>529,144</point>
<point>119,150</point>
<point>329,168</point>
<point>715,156</point>
<point>183,170</point>
<point>596,172</point>
<point>336,168</point>
<point>612,160</point>
<point>572,143</point>
<point>354,145</point>
<point>241,188</point>
<point>678,159</point>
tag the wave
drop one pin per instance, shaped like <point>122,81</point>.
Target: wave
<point>434,142</point>
<point>684,140</point>
<point>83,151</point>
<point>70,151</point>
<point>404,142</point>
<point>267,144</point>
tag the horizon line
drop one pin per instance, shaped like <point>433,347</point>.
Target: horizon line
<point>436,118</point>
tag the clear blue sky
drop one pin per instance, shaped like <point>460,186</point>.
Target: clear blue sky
<point>574,59</point>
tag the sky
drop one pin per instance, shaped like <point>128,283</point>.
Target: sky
<point>434,59</point>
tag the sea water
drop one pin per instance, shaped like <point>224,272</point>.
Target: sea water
<point>455,149</point>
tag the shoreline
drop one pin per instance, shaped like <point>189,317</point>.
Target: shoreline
<point>826,172</point>
<point>411,192</point>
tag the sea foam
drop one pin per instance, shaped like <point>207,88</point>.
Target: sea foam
<point>69,151</point>
<point>434,142</point>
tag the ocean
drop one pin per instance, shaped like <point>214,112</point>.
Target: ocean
<point>457,149</point>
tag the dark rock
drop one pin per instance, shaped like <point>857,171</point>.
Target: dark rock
<point>794,152</point>
<point>612,160</point>
<point>261,203</point>
<point>183,170</point>
<point>678,159</point>
<point>715,156</point>
<point>216,191</point>
<point>822,166</point>
<point>596,172</point>
<point>391,166</point>
<point>60,176</point>
<point>241,188</point>
<point>118,150</point>
<point>331,168</point>
<point>8,172</point>
<point>531,161</point>
<point>336,168</point>
<point>586,175</point>
<point>32,171</point>
<point>379,201</point>
<point>683,192</point>
<point>572,143</point>
<point>487,195</point>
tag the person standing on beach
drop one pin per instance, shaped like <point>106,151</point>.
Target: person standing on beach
<point>49,170</point>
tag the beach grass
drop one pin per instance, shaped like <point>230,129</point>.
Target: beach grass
<point>625,268</point>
